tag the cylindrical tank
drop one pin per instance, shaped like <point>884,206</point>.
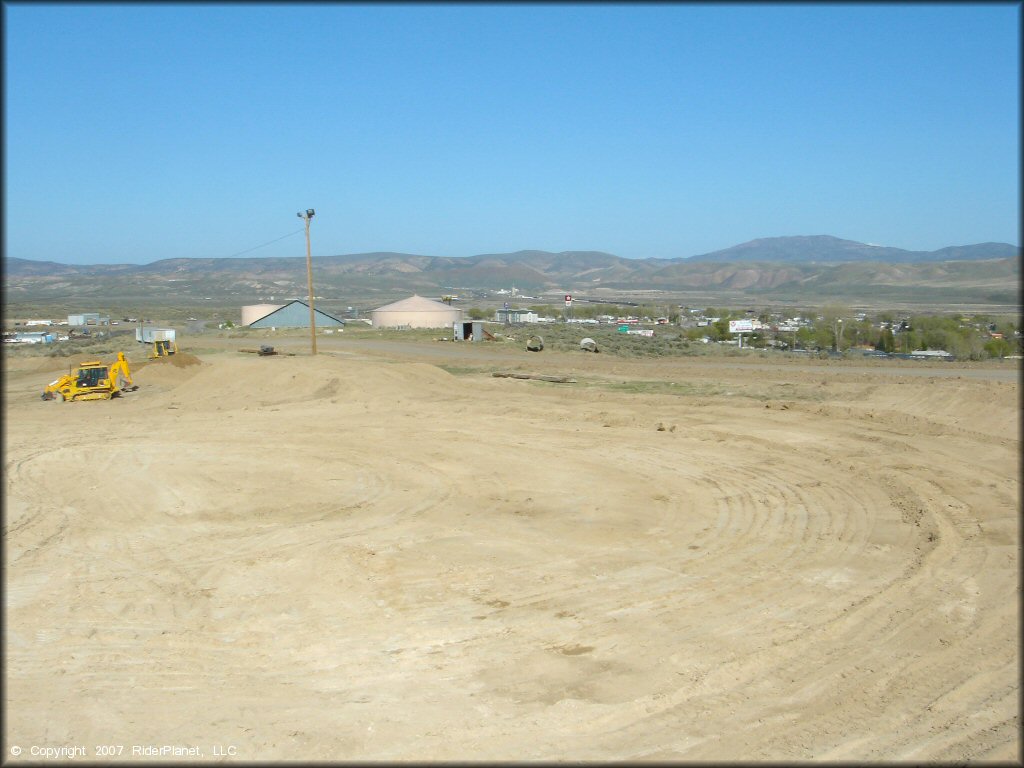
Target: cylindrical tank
<point>253,312</point>
<point>416,312</point>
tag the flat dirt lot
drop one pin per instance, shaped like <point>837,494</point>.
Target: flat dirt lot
<point>365,556</point>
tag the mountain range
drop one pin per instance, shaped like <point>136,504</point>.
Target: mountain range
<point>779,268</point>
<point>827,249</point>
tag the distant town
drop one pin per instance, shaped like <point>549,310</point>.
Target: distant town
<point>832,330</point>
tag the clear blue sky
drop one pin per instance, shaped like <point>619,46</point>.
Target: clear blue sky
<point>140,132</point>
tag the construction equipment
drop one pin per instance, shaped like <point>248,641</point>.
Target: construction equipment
<point>163,348</point>
<point>92,380</point>
<point>265,351</point>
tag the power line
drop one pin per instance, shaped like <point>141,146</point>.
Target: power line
<point>269,242</point>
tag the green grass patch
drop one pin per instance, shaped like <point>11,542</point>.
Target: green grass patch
<point>761,393</point>
<point>462,370</point>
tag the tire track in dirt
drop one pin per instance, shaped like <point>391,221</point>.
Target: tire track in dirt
<point>899,501</point>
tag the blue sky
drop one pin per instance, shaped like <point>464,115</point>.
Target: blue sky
<point>140,132</point>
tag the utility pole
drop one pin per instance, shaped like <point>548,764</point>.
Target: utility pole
<point>308,215</point>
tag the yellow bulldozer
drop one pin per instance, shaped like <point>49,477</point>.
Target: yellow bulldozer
<point>163,348</point>
<point>92,380</point>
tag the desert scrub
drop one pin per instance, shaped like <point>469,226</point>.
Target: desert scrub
<point>60,350</point>
<point>644,387</point>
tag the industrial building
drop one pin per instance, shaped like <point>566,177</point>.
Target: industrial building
<point>416,312</point>
<point>88,318</point>
<point>295,314</point>
<point>516,316</point>
<point>32,337</point>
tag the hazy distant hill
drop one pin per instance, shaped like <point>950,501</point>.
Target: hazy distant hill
<point>824,248</point>
<point>787,268</point>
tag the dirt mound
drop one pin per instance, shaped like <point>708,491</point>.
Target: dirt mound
<point>179,360</point>
<point>166,373</point>
<point>249,381</point>
<point>184,360</point>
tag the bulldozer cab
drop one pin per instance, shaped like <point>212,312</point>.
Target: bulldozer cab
<point>89,378</point>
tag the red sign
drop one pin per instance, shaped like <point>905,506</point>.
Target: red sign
<point>568,299</point>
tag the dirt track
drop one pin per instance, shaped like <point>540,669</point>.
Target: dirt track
<point>360,556</point>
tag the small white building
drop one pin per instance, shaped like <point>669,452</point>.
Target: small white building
<point>34,337</point>
<point>468,330</point>
<point>88,318</point>
<point>149,335</point>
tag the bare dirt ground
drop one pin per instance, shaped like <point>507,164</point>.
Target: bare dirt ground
<point>365,556</point>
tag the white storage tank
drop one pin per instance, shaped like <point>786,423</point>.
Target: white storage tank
<point>416,312</point>
<point>253,312</point>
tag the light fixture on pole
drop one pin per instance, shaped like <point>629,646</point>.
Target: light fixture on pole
<point>308,215</point>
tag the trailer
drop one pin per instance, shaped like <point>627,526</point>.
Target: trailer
<point>150,335</point>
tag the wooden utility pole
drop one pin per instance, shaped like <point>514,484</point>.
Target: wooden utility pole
<point>308,215</point>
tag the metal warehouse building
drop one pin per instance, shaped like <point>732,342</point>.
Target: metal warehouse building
<point>416,312</point>
<point>88,318</point>
<point>292,315</point>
